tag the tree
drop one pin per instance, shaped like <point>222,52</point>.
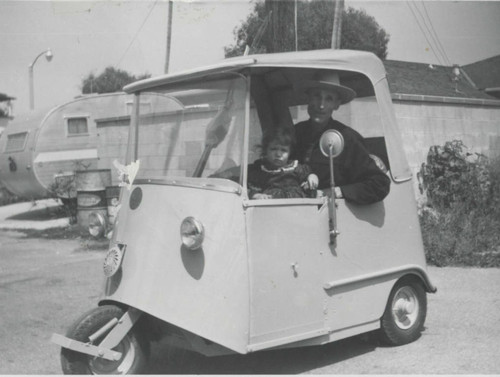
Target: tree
<point>360,31</point>
<point>245,34</point>
<point>111,80</point>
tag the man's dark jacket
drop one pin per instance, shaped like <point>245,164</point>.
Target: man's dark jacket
<point>355,172</point>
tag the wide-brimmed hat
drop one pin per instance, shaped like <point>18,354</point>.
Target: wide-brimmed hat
<point>328,80</point>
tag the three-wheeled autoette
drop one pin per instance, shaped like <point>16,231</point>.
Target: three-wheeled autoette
<point>193,259</point>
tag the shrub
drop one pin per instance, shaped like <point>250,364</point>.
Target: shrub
<point>461,218</point>
<point>64,190</point>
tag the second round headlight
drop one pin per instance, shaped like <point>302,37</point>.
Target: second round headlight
<point>192,233</point>
<point>97,224</point>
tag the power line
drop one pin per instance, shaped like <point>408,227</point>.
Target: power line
<point>136,34</point>
<point>433,36</point>
<point>434,32</point>
<point>424,34</point>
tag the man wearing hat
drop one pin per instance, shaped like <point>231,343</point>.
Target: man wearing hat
<point>358,179</point>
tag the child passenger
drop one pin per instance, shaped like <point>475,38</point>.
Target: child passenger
<point>274,176</point>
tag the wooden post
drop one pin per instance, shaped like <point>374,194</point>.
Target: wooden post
<point>337,24</point>
<point>169,35</point>
<point>281,34</point>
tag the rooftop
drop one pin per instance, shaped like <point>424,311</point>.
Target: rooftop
<point>422,79</point>
<point>485,73</point>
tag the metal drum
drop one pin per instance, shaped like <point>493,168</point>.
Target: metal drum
<point>91,193</point>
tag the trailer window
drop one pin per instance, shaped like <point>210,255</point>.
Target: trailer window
<point>77,126</point>
<point>16,142</point>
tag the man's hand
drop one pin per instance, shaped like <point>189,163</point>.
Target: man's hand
<point>312,182</point>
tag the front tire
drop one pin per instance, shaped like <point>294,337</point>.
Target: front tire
<point>134,346</point>
<point>405,313</point>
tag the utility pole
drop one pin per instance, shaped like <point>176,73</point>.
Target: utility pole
<point>169,34</point>
<point>337,24</point>
<point>280,31</point>
<point>295,26</point>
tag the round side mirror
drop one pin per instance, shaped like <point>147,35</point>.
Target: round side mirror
<point>331,139</point>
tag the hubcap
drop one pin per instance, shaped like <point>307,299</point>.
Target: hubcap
<point>99,365</point>
<point>405,308</point>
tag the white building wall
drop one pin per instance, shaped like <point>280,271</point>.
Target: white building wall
<point>424,124</point>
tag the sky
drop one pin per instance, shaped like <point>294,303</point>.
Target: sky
<point>86,37</point>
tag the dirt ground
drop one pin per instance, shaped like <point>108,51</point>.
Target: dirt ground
<point>49,278</point>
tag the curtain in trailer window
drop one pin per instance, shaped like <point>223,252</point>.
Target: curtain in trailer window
<point>16,142</point>
<point>77,126</point>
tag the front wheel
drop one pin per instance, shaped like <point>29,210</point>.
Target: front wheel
<point>405,313</point>
<point>134,346</point>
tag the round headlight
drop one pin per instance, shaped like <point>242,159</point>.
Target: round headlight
<point>192,233</point>
<point>97,224</point>
<point>113,261</point>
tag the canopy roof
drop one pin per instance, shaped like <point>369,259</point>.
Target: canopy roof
<point>355,61</point>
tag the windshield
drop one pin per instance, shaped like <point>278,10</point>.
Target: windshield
<point>199,136</point>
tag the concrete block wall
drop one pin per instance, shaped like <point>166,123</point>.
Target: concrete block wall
<point>423,125</point>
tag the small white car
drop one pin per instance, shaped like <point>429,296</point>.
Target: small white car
<point>194,259</point>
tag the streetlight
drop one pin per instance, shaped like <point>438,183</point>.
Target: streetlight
<point>456,76</point>
<point>48,56</point>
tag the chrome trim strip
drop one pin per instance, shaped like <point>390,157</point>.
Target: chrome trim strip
<point>177,182</point>
<point>284,202</point>
<point>246,136</point>
<point>286,339</point>
<point>407,268</point>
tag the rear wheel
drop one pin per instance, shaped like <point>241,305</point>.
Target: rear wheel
<point>134,346</point>
<point>405,313</point>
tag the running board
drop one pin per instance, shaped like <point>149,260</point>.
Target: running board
<point>86,348</point>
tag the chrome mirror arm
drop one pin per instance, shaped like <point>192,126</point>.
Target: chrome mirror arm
<point>331,145</point>
<point>333,201</point>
